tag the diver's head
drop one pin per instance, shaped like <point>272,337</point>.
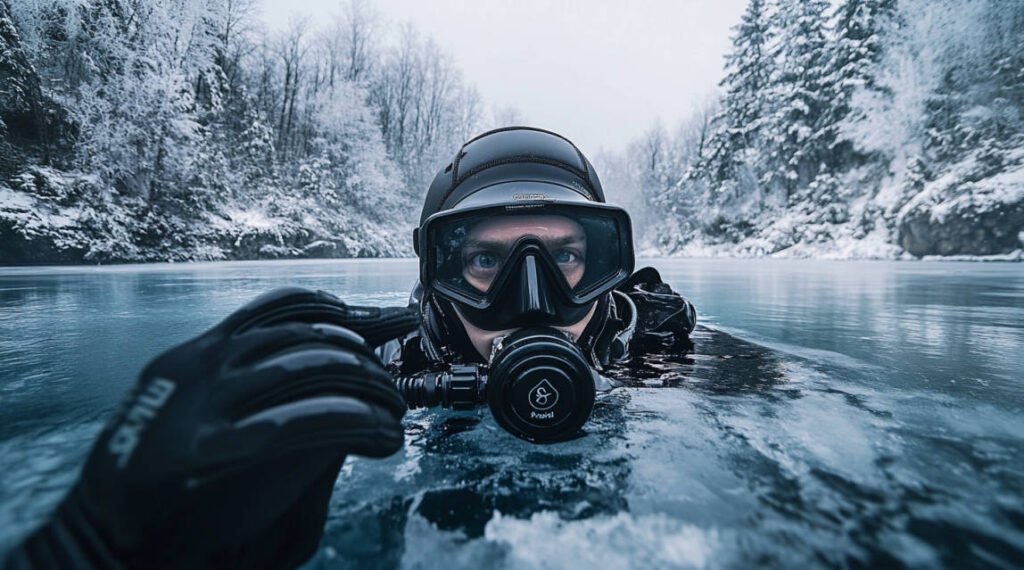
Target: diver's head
<point>515,233</point>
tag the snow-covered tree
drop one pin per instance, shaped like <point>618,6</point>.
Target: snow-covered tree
<point>199,135</point>
<point>424,107</point>
<point>28,117</point>
<point>798,135</point>
<point>739,127</point>
<point>355,174</point>
<point>856,54</point>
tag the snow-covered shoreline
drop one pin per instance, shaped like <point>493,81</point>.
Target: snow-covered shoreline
<point>863,140</point>
<point>822,252</point>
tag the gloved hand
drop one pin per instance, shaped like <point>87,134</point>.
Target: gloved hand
<point>226,451</point>
<point>664,318</point>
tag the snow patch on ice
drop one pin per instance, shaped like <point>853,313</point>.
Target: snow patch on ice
<point>11,200</point>
<point>620,541</point>
<point>545,540</point>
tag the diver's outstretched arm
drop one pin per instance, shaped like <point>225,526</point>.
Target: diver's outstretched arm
<point>226,451</point>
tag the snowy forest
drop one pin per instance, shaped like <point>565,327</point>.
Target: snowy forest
<point>177,130</point>
<point>174,130</point>
<point>857,129</point>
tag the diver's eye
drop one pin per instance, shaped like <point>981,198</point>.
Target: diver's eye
<point>483,261</point>
<point>566,257</point>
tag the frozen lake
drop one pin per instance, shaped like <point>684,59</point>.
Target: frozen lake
<point>834,414</point>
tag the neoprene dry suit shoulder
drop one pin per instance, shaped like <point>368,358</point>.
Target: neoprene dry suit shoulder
<point>227,449</point>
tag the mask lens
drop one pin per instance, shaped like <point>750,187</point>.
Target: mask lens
<point>583,247</point>
<point>489,243</point>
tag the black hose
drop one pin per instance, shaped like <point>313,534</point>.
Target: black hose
<point>419,391</point>
<point>461,388</point>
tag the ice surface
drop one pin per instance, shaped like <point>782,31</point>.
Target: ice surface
<point>833,414</point>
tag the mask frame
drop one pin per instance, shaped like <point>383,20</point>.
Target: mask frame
<point>529,268</point>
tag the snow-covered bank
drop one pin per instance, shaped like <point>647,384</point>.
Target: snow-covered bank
<point>974,211</point>
<point>977,205</point>
<point>832,252</point>
<point>163,131</point>
<point>61,218</point>
<point>846,130</point>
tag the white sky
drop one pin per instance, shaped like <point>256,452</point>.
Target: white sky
<point>599,72</point>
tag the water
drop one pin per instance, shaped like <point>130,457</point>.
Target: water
<point>839,414</point>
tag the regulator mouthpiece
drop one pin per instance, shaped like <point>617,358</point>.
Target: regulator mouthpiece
<point>539,386</point>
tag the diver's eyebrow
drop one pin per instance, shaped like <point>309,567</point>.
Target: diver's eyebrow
<point>487,243</point>
<point>502,244</point>
<point>566,240</point>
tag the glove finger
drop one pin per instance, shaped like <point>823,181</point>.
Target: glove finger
<point>381,324</point>
<point>345,424</point>
<point>306,370</point>
<point>254,312</point>
<point>261,343</point>
<point>356,426</point>
<point>284,305</point>
<point>295,304</point>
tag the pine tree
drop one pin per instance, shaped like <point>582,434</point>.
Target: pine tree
<point>860,28</point>
<point>739,126</point>
<point>799,133</point>
<point>1008,67</point>
<point>28,115</point>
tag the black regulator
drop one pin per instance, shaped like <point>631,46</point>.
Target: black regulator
<point>538,385</point>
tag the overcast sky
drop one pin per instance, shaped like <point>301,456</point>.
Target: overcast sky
<point>598,71</point>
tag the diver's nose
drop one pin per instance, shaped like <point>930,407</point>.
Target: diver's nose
<point>533,290</point>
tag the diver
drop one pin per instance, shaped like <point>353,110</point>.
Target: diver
<point>527,288</point>
<point>226,451</point>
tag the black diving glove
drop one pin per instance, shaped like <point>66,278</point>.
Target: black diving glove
<point>226,451</point>
<point>664,318</point>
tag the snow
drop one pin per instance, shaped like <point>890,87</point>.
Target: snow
<point>955,189</point>
<point>1004,188</point>
<point>1015,255</point>
<point>11,201</point>
<point>254,219</point>
<point>843,249</point>
<point>874,246</point>
<point>33,217</point>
